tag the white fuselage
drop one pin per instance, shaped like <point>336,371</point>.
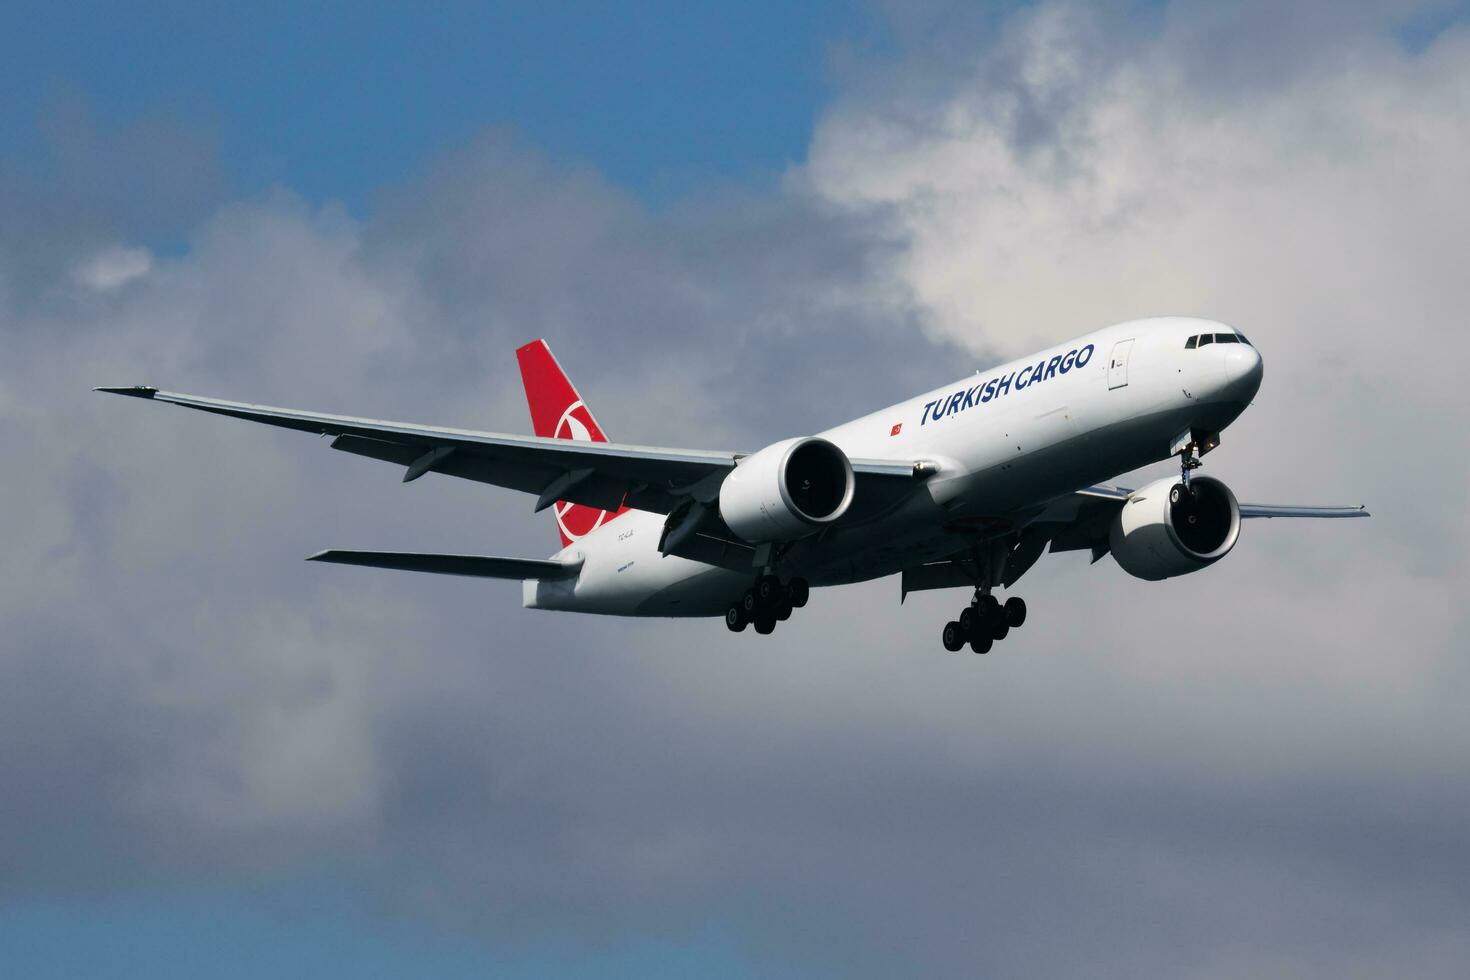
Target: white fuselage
<point>1007,443</point>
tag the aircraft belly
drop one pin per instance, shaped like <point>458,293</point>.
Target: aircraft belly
<point>706,592</point>
<point>623,574</point>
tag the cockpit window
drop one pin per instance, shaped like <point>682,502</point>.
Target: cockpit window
<point>1226,338</point>
<point>1206,338</point>
<point>1189,344</point>
<point>1243,340</point>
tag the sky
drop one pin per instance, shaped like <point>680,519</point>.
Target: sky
<point>733,225</point>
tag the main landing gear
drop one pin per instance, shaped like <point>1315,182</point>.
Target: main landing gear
<point>983,622</point>
<point>767,603</point>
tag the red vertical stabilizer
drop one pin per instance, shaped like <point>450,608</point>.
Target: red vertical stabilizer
<point>558,412</point>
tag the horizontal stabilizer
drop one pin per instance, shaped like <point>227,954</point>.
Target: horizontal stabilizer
<point>474,565</point>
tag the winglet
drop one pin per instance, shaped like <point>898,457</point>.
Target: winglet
<point>135,391</point>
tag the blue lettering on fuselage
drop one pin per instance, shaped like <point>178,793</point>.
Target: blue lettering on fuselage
<point>967,398</point>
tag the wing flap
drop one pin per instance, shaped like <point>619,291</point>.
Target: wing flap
<point>477,566</point>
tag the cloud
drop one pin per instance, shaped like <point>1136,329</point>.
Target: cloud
<point>1074,175</point>
<point>1256,769</point>
<point>113,267</point>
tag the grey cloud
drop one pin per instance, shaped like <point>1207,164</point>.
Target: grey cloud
<point>82,184</point>
<point>1255,770</point>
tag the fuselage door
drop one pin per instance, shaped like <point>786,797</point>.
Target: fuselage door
<point>1118,364</point>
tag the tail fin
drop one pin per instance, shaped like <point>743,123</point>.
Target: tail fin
<point>558,412</point>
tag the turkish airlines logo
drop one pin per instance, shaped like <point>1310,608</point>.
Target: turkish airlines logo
<point>576,520</point>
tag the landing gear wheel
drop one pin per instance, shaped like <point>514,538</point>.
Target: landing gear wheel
<point>800,592</point>
<point>783,611</point>
<point>989,609</point>
<point>967,620</point>
<point>980,643</point>
<point>749,603</point>
<point>954,637</point>
<point>999,628</point>
<point>765,625</point>
<point>735,618</point>
<point>1015,609</point>
<point>768,591</point>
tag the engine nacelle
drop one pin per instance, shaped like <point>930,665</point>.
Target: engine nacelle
<point>787,490</point>
<point>1155,537</point>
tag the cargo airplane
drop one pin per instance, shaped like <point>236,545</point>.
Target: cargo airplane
<point>964,486</point>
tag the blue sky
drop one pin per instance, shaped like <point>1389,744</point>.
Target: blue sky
<point>300,930</point>
<point>336,100</point>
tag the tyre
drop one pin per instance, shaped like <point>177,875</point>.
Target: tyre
<point>800,592</point>
<point>1015,612</point>
<point>735,618</point>
<point>967,621</point>
<point>999,628</point>
<point>749,604</point>
<point>768,590</point>
<point>783,611</point>
<point>765,625</point>
<point>954,637</point>
<point>981,644</point>
<point>989,609</point>
<point>1176,493</point>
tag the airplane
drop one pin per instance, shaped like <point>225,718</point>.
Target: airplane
<point>964,486</point>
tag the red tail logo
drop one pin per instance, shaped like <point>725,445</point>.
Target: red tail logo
<point>558,412</point>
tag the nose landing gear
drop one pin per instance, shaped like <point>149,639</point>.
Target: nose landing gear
<point>984,622</point>
<point>1189,446</point>
<point>768,602</point>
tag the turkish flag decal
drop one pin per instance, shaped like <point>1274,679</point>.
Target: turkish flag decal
<point>896,427</point>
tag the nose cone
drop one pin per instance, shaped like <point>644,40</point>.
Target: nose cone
<point>1243,371</point>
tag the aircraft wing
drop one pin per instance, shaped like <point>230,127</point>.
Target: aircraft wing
<point>1096,506</point>
<point>605,475</point>
<point>1081,523</point>
<point>1121,494</point>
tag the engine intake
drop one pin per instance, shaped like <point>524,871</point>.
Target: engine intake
<point>1159,533</point>
<point>787,491</point>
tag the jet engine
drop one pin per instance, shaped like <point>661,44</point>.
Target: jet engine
<point>1165,530</point>
<point>786,491</point>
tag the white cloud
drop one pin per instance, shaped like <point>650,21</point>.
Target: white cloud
<point>112,267</point>
<point>1328,198</point>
